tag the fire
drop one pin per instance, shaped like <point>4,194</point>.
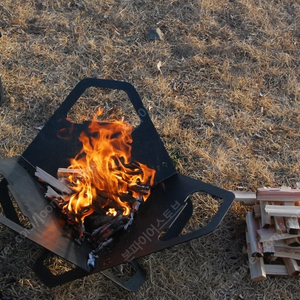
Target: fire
<point>111,212</point>
<point>105,174</point>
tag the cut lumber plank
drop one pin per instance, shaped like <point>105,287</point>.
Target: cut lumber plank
<point>279,223</point>
<point>291,223</point>
<point>276,270</point>
<point>51,193</point>
<point>268,248</point>
<point>257,268</point>
<point>282,211</point>
<point>287,252</point>
<point>247,198</point>
<point>271,258</point>
<point>64,172</point>
<point>46,177</point>
<point>256,264</point>
<point>265,217</point>
<point>278,194</point>
<point>270,234</point>
<point>291,266</point>
<point>256,211</point>
<point>293,242</point>
<point>282,243</point>
<point>252,227</point>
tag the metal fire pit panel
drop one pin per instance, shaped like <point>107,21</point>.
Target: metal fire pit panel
<point>47,229</point>
<point>168,209</point>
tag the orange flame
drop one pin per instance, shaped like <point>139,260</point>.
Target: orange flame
<point>111,212</point>
<point>105,169</point>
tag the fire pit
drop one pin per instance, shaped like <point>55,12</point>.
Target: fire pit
<point>156,225</point>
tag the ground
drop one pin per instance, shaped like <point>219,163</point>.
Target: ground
<point>222,89</point>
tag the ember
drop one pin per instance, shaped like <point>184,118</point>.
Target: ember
<point>102,189</point>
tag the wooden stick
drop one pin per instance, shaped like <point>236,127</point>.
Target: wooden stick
<point>287,252</point>
<point>279,222</point>
<point>291,266</point>
<point>256,264</point>
<point>256,211</point>
<point>257,268</point>
<point>278,194</point>
<point>64,172</point>
<point>268,248</point>
<point>276,270</point>
<point>44,176</point>
<point>271,258</point>
<point>282,211</point>
<point>291,224</point>
<point>51,193</point>
<point>293,242</point>
<point>280,225</point>
<point>270,234</point>
<point>252,226</point>
<point>283,243</point>
<point>247,198</point>
<point>265,217</point>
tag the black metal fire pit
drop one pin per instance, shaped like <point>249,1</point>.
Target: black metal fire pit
<point>156,226</point>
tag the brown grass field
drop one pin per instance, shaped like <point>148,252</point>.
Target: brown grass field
<point>222,89</point>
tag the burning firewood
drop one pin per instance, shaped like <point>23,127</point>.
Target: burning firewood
<point>141,189</point>
<point>102,189</point>
<point>51,193</point>
<point>64,172</point>
<point>107,217</point>
<point>45,177</point>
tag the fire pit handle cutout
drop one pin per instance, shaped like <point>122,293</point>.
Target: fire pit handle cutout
<point>163,216</point>
<point>49,279</point>
<point>197,215</point>
<point>147,147</point>
<point>200,186</point>
<point>86,83</point>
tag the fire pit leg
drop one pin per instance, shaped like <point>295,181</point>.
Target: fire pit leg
<point>134,283</point>
<point>51,280</point>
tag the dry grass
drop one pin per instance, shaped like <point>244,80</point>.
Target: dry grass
<point>225,102</point>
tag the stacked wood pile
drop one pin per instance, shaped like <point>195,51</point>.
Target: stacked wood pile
<point>272,232</point>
